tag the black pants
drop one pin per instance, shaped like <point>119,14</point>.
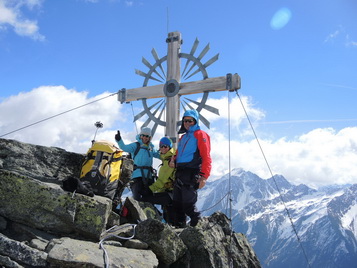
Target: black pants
<point>185,196</point>
<point>137,188</point>
<point>165,200</point>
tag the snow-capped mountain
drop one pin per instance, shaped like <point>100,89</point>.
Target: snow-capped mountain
<point>288,225</point>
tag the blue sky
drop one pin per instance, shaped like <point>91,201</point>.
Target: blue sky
<point>297,61</point>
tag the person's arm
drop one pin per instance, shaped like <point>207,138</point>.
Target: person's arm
<point>172,163</point>
<point>165,172</point>
<point>130,148</point>
<point>201,182</point>
<point>204,147</point>
<point>159,184</point>
<point>156,153</point>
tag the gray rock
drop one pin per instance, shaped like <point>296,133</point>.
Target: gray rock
<point>161,238</point>
<point>7,262</point>
<point>21,252</point>
<point>120,233</point>
<point>3,223</point>
<point>134,243</point>
<point>114,219</point>
<point>140,211</point>
<point>23,232</point>
<point>51,208</point>
<point>49,164</point>
<point>38,244</point>
<point>67,252</point>
<point>211,244</point>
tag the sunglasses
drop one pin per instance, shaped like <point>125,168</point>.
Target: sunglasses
<point>188,121</point>
<point>164,146</point>
<point>146,136</point>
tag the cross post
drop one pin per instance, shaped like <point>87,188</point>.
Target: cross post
<point>173,74</point>
<point>173,88</point>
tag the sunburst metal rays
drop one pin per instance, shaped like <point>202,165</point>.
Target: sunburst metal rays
<point>147,111</point>
<point>153,69</point>
<point>196,62</point>
<point>157,73</point>
<point>200,105</point>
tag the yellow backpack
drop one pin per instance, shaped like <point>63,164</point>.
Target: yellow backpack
<point>101,168</point>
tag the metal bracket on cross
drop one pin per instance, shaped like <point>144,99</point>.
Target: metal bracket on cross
<point>171,89</point>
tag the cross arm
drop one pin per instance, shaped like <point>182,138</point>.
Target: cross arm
<point>229,82</point>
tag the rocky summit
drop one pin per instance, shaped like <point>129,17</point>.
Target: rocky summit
<point>42,225</point>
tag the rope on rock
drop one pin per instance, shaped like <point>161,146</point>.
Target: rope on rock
<point>110,232</point>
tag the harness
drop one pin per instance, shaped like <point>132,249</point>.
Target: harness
<point>150,170</point>
<point>193,183</point>
<point>179,184</point>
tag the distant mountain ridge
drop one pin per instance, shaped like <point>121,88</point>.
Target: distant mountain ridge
<point>325,219</point>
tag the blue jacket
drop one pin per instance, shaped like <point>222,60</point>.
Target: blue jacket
<point>144,156</point>
<point>194,147</point>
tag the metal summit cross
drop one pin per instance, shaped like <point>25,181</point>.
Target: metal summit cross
<point>171,91</point>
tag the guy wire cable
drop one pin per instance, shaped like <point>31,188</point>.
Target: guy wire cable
<point>167,19</point>
<point>219,201</point>
<point>48,118</point>
<point>132,109</point>
<point>229,159</point>
<point>276,185</point>
<point>229,180</point>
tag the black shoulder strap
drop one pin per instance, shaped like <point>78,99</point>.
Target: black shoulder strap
<point>137,149</point>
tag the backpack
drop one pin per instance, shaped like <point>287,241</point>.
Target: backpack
<point>101,169</point>
<point>137,149</point>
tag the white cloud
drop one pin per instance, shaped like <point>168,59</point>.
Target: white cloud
<point>352,43</point>
<point>129,3</point>
<point>341,36</point>
<point>319,157</point>
<point>349,42</point>
<point>72,131</point>
<point>338,86</point>
<point>232,112</point>
<point>30,3</point>
<point>11,15</point>
<point>332,36</point>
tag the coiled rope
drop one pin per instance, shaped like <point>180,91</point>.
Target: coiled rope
<point>110,231</point>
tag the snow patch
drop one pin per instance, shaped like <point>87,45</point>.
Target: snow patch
<point>349,220</point>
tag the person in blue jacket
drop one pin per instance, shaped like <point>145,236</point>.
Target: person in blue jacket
<point>142,152</point>
<point>193,167</point>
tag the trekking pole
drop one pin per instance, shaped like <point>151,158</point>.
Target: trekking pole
<point>98,125</point>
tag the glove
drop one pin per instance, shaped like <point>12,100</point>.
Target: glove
<point>117,136</point>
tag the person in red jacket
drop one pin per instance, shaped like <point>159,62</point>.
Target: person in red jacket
<point>193,167</point>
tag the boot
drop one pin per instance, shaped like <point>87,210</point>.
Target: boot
<point>194,219</point>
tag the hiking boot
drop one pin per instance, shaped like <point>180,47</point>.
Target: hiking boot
<point>194,221</point>
<point>180,225</point>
